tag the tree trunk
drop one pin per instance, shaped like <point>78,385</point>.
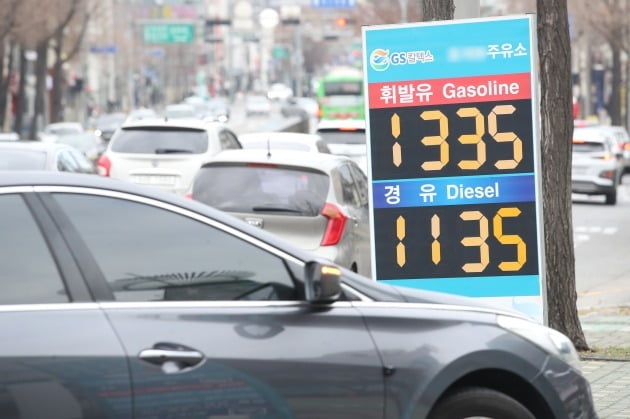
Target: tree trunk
<point>6,83</point>
<point>21,94</point>
<point>614,102</point>
<point>56,111</point>
<point>437,10</point>
<point>557,131</point>
<point>40,88</point>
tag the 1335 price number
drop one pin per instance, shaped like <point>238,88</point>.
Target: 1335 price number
<point>452,140</point>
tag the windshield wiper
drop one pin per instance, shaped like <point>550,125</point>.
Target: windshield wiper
<point>172,151</point>
<point>275,209</point>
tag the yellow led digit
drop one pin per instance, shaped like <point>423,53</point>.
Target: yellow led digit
<point>436,254</point>
<point>505,137</point>
<point>521,248</point>
<point>480,241</point>
<point>396,151</point>
<point>480,128</point>
<point>401,254</point>
<point>436,140</point>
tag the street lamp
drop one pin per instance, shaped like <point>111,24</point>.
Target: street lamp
<point>291,16</point>
<point>268,20</point>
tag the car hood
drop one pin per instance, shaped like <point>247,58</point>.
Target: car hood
<point>382,292</point>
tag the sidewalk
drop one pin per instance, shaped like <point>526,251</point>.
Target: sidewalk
<point>608,371</point>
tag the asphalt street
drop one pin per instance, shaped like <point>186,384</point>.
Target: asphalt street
<point>601,249</point>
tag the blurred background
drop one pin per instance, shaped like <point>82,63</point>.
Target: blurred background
<point>73,60</point>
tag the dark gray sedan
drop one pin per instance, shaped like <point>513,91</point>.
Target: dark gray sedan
<point>118,301</point>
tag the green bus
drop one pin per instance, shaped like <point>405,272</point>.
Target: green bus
<point>340,94</point>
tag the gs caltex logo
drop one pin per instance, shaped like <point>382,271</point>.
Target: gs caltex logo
<point>379,59</point>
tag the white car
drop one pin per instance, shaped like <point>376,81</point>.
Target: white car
<point>279,91</point>
<point>296,141</point>
<point>257,105</point>
<point>597,164</point>
<point>164,153</point>
<point>346,137</point>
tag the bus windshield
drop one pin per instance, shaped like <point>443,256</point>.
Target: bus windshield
<point>340,94</point>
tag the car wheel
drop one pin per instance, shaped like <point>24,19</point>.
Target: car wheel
<point>479,402</point>
<point>611,197</point>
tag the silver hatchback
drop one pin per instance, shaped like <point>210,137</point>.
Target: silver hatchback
<point>317,201</point>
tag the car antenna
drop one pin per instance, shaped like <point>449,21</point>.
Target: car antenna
<point>268,148</point>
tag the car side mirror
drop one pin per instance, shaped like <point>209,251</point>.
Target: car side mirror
<point>322,282</point>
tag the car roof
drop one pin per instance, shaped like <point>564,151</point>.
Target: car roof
<point>321,161</point>
<point>341,124</point>
<point>284,136</point>
<point>189,123</point>
<point>65,124</point>
<point>593,134</point>
<point>33,145</point>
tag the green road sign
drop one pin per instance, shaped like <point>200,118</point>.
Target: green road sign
<point>171,33</point>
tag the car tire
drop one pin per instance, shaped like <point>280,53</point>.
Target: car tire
<point>479,402</point>
<point>611,197</point>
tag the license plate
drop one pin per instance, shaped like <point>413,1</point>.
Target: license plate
<point>166,180</point>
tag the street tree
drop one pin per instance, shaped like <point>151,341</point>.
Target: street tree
<point>607,22</point>
<point>557,125</point>
<point>437,10</point>
<point>554,50</point>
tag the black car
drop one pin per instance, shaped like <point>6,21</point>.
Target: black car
<point>119,301</point>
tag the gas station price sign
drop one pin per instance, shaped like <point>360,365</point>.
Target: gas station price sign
<point>453,144</point>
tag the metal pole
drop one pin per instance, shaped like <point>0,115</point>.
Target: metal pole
<point>403,10</point>
<point>298,59</point>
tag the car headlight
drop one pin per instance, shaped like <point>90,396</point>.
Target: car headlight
<point>550,340</point>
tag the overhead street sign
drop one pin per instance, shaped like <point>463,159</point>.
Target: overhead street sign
<point>454,168</point>
<point>168,33</point>
<point>103,49</point>
<point>333,4</point>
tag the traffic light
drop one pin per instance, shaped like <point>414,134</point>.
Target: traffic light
<point>341,22</point>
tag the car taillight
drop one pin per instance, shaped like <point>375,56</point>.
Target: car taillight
<point>104,166</point>
<point>605,156</point>
<point>188,195</point>
<point>607,174</point>
<point>335,226</point>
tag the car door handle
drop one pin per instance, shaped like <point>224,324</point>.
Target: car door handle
<point>172,357</point>
<point>160,356</point>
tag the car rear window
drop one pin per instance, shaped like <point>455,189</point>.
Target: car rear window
<point>22,160</point>
<point>262,188</point>
<point>588,147</point>
<point>160,140</point>
<point>339,136</point>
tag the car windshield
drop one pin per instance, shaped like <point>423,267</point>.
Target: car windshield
<point>340,136</point>
<point>343,88</point>
<point>66,130</point>
<point>588,147</point>
<point>180,112</point>
<point>262,188</point>
<point>160,141</point>
<point>110,121</point>
<point>22,160</point>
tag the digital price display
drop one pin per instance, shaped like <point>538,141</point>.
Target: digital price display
<point>454,158</point>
